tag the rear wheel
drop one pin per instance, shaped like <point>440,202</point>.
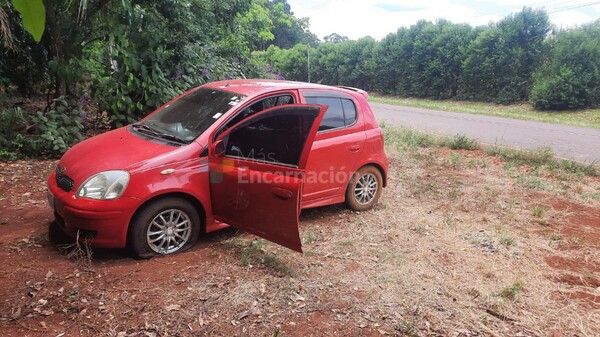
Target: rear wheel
<point>364,189</point>
<point>163,227</point>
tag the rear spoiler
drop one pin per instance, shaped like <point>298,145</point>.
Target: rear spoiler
<point>360,91</point>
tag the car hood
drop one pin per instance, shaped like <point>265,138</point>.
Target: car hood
<point>116,150</point>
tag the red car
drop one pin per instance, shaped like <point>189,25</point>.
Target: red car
<point>245,153</point>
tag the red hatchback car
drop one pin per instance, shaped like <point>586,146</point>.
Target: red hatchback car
<point>245,153</point>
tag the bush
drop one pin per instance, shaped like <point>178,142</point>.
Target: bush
<point>570,78</point>
<point>462,142</point>
<point>563,91</point>
<point>59,128</point>
<point>43,134</point>
<point>12,121</point>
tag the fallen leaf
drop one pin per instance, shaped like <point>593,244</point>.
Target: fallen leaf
<point>16,314</point>
<point>297,298</point>
<point>173,307</point>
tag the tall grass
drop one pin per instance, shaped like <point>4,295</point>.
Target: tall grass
<point>405,138</point>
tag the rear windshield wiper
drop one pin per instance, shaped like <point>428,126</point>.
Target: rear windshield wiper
<point>143,128</point>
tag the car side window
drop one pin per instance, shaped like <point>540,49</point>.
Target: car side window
<point>349,111</point>
<point>340,112</point>
<point>277,137</point>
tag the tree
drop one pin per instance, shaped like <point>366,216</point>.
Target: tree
<point>503,58</point>
<point>127,57</point>
<point>570,77</point>
<point>272,22</point>
<point>335,38</point>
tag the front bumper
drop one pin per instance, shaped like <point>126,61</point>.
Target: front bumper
<point>101,223</point>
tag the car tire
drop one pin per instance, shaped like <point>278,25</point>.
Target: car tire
<point>165,226</point>
<point>364,189</point>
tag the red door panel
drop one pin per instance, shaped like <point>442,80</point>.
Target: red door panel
<point>257,170</point>
<point>258,199</point>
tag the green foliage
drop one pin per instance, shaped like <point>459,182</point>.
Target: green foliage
<point>43,134</point>
<point>513,291</point>
<point>438,60</point>
<point>407,328</point>
<point>408,138</point>
<point>542,157</point>
<point>24,65</point>
<point>59,128</point>
<point>462,142</point>
<point>150,57</point>
<point>429,58</point>
<point>503,57</point>
<point>537,157</point>
<point>254,253</point>
<point>33,13</point>
<point>570,78</point>
<point>403,138</point>
<point>538,211</point>
<point>12,122</point>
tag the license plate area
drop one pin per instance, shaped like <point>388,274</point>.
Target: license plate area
<point>50,199</point>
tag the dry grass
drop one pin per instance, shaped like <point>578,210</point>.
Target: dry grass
<point>458,246</point>
<point>451,250</point>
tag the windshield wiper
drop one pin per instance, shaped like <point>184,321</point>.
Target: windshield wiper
<point>143,128</point>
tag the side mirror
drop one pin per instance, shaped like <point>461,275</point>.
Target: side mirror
<point>219,148</point>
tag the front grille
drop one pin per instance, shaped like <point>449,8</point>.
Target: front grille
<point>62,180</point>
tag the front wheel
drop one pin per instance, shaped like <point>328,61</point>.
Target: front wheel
<point>364,189</point>
<point>165,226</point>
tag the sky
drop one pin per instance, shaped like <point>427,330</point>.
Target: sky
<point>378,18</point>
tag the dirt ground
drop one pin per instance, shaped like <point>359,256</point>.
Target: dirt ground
<point>461,244</point>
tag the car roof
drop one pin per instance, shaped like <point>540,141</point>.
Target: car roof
<point>253,87</point>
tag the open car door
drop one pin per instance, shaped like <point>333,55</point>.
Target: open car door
<point>257,168</point>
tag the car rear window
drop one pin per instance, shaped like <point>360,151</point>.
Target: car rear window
<point>340,112</point>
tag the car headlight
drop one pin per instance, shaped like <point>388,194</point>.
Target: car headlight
<point>104,185</point>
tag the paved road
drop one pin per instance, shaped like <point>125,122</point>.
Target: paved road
<point>581,144</point>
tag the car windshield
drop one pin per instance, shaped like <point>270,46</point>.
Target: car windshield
<point>185,119</point>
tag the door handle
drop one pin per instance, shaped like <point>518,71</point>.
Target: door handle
<point>282,193</point>
<point>354,148</point>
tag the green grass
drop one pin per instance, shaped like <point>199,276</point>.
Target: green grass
<point>404,138</point>
<point>534,169</point>
<point>587,118</point>
<point>592,196</point>
<point>461,142</point>
<point>254,253</point>
<point>506,240</point>
<point>542,157</point>
<point>512,292</point>
<point>538,211</point>
<point>534,158</point>
<point>407,328</point>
